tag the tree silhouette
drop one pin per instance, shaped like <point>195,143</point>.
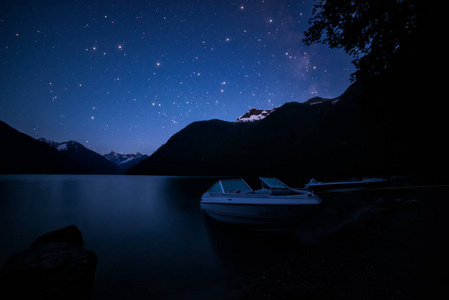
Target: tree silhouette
<point>374,32</point>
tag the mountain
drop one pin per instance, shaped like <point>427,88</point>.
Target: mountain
<point>125,161</point>
<point>295,140</point>
<point>89,161</point>
<point>255,114</point>
<point>318,100</point>
<point>22,154</point>
<point>354,135</point>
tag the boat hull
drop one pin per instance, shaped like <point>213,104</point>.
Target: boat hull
<point>261,215</point>
<point>346,185</point>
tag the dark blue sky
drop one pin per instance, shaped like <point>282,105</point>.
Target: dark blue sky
<point>127,75</point>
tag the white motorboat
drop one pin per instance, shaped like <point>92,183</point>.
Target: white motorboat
<point>349,185</point>
<point>276,204</point>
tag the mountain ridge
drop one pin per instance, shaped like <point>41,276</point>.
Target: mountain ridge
<point>125,161</point>
<point>91,162</point>
<point>273,146</point>
<point>22,154</point>
<point>364,132</point>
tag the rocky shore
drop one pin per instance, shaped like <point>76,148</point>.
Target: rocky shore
<point>397,250</point>
<point>56,266</point>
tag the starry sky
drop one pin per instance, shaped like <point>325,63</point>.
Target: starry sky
<point>126,75</point>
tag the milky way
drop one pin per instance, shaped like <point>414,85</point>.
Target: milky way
<point>126,75</point>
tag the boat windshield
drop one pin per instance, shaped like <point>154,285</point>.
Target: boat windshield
<point>235,186</point>
<point>216,188</point>
<point>273,183</point>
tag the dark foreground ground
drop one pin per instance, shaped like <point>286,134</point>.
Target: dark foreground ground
<point>396,250</point>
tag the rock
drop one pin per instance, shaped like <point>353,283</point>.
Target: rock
<point>54,267</point>
<point>69,234</point>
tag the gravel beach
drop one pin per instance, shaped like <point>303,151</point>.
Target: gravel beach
<point>395,250</point>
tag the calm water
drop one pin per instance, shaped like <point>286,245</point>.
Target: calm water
<point>148,232</point>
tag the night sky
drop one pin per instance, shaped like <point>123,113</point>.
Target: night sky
<point>127,75</point>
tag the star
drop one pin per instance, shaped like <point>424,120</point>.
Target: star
<point>157,65</point>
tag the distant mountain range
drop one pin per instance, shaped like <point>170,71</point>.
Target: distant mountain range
<point>92,162</point>
<point>23,154</point>
<point>78,152</point>
<point>318,138</point>
<point>125,161</point>
<point>364,132</point>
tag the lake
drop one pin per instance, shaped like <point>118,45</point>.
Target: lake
<point>149,234</point>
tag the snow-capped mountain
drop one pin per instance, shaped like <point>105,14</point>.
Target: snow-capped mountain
<point>22,154</point>
<point>125,161</point>
<point>51,143</point>
<point>64,146</point>
<point>255,114</point>
<point>318,100</point>
<point>91,161</point>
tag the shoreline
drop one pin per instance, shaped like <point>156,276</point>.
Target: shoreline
<point>393,251</point>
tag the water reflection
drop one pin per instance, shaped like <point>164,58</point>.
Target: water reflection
<point>247,249</point>
<point>184,193</point>
<point>148,231</point>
